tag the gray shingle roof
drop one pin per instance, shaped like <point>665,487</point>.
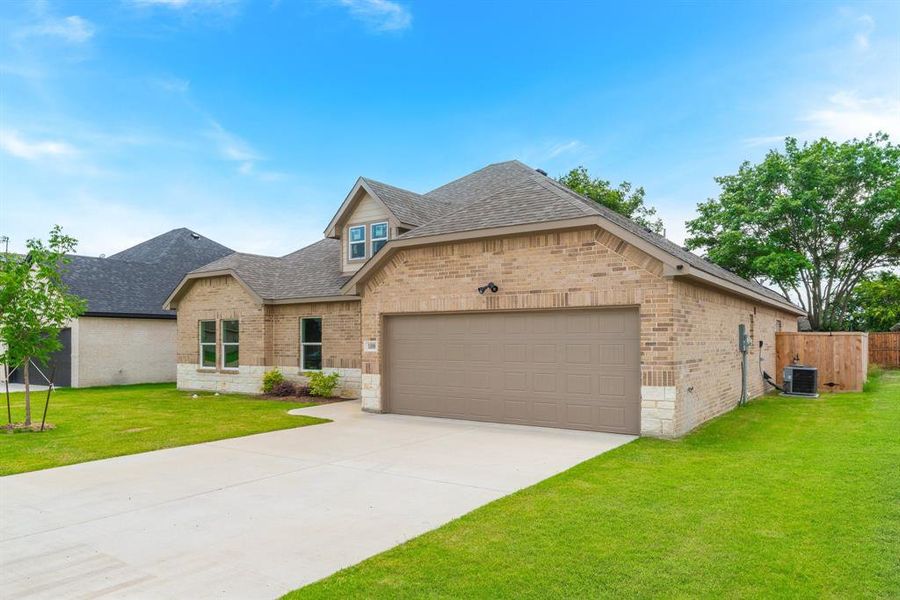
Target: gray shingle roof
<point>181,248</point>
<point>515,194</point>
<point>138,280</point>
<point>499,195</point>
<point>313,271</point>
<point>409,207</point>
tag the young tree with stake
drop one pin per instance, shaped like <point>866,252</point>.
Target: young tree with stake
<point>35,304</point>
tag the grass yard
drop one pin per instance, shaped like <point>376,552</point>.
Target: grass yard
<point>790,498</point>
<point>101,422</point>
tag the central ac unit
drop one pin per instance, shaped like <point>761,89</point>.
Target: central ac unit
<point>801,380</point>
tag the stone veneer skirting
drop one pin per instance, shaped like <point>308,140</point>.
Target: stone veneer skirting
<point>248,379</point>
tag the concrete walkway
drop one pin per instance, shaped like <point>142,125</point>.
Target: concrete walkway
<point>20,387</point>
<point>257,516</point>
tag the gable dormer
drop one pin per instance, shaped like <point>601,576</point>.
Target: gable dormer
<point>364,224</point>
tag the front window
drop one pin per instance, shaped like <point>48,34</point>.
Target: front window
<point>208,344</point>
<point>379,236</point>
<point>357,242</point>
<point>230,339</point>
<point>311,344</point>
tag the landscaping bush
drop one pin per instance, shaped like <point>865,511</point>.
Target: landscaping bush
<point>271,379</point>
<point>303,390</point>
<point>321,384</point>
<point>284,388</point>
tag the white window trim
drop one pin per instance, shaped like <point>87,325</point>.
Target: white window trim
<point>303,344</point>
<point>202,343</point>
<point>373,239</point>
<point>223,343</point>
<point>364,242</point>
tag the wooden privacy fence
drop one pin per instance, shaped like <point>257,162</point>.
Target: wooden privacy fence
<point>884,349</point>
<point>842,357</point>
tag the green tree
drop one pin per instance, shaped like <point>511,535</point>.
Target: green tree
<point>623,199</point>
<point>875,303</point>
<point>35,304</point>
<point>813,221</point>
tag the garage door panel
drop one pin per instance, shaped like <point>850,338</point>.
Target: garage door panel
<point>566,368</point>
<point>545,382</point>
<point>545,353</point>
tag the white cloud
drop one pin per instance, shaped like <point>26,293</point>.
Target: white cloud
<point>189,6</point>
<point>564,148</point>
<point>846,115</point>
<point>764,140</point>
<point>379,15</point>
<point>233,148</point>
<point>171,84</point>
<point>72,29</point>
<point>843,116</point>
<point>14,144</point>
<point>168,3</point>
<point>866,27</point>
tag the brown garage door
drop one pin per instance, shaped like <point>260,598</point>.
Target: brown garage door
<point>576,369</point>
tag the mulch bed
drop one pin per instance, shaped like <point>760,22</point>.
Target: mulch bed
<point>315,399</point>
<point>22,428</point>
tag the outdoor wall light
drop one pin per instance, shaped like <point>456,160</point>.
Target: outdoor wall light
<point>490,286</point>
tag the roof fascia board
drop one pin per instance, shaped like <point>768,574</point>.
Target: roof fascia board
<point>115,315</point>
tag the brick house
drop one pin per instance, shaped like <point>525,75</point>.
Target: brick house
<point>501,296</point>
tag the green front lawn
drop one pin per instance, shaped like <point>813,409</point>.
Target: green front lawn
<point>784,498</point>
<point>101,422</point>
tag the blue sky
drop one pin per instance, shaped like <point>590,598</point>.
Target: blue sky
<point>250,121</point>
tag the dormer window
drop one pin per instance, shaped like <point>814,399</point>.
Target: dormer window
<point>357,242</point>
<point>379,236</point>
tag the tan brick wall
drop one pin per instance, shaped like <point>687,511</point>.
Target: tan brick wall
<point>217,298</point>
<point>708,361</point>
<point>341,342</point>
<point>121,351</point>
<point>269,336</point>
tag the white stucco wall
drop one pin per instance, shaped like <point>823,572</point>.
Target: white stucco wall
<point>116,351</point>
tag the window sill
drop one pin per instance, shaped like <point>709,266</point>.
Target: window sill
<point>206,370</point>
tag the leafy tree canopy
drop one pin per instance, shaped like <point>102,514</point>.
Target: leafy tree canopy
<point>34,303</point>
<point>875,303</point>
<point>813,221</point>
<point>622,199</point>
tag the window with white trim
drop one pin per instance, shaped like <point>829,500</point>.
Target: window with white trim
<point>356,242</point>
<point>230,344</point>
<point>208,344</point>
<point>379,236</point>
<point>311,344</point>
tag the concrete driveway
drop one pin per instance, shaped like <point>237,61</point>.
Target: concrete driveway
<point>257,516</point>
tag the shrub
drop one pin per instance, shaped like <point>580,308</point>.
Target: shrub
<point>321,384</point>
<point>284,388</point>
<point>303,390</point>
<point>271,379</point>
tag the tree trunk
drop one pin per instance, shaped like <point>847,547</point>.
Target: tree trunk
<point>27,382</point>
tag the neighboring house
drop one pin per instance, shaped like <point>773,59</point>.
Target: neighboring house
<point>591,322</point>
<point>125,336</point>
